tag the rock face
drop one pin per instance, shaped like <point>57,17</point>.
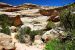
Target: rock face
<point>11,9</point>
<point>36,23</point>
<point>17,21</point>
<point>52,13</point>
<point>54,18</point>
<point>13,21</point>
<point>6,41</point>
<point>28,6</point>
<point>49,12</point>
<point>45,12</point>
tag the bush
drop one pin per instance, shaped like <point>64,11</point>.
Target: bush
<point>58,45</point>
<point>6,30</point>
<point>69,45</point>
<point>22,33</point>
<point>67,20</point>
<point>4,21</point>
<point>35,32</point>
<point>25,30</point>
<point>50,25</point>
<point>53,45</point>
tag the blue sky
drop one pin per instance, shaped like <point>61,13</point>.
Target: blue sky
<point>39,2</point>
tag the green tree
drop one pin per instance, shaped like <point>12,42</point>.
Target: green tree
<point>4,22</point>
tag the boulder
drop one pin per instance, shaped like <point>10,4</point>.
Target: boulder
<point>54,18</point>
<point>37,40</point>
<point>49,35</point>
<point>6,41</point>
<point>53,33</point>
<point>13,29</point>
<point>17,21</point>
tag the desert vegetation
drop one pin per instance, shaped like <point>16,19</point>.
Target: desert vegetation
<point>50,30</point>
<point>4,21</point>
<point>67,22</point>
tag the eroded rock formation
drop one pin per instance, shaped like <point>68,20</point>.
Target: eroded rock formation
<point>6,42</point>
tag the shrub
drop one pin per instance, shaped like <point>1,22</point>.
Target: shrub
<point>50,25</point>
<point>58,45</point>
<point>53,45</point>
<point>22,33</point>
<point>35,32</point>
<point>25,30</point>
<point>67,20</point>
<point>6,30</point>
<point>4,21</point>
<point>69,45</point>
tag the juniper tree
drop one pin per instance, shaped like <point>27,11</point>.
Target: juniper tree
<point>4,22</point>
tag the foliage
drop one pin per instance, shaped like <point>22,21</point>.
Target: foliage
<point>4,19</point>
<point>50,25</point>
<point>4,23</point>
<point>58,45</point>
<point>35,32</point>
<point>27,31</point>
<point>53,45</point>
<point>67,19</point>
<point>22,33</point>
<point>72,5</point>
<point>69,45</point>
<point>6,30</point>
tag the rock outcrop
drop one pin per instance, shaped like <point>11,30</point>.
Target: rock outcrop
<point>3,5</point>
<point>15,21</point>
<point>6,42</point>
<point>54,18</point>
<point>28,6</point>
<point>49,12</point>
<point>49,35</point>
<point>11,9</point>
